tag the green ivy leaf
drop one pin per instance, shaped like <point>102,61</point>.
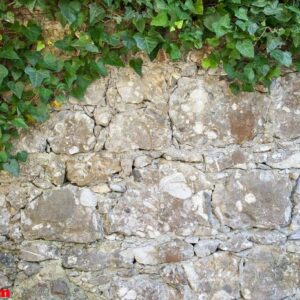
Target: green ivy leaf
<point>9,53</point>
<point>17,88</point>
<point>22,156</point>
<point>283,57</point>
<point>36,76</point>
<point>69,10</point>
<point>136,65</point>
<point>19,123</point>
<point>96,13</point>
<point>273,43</point>
<point>145,43</point>
<point>161,19</point>
<point>246,48</point>
<point>113,59</point>
<point>3,157</point>
<point>3,73</point>
<point>199,7</point>
<point>174,51</point>
<point>12,167</point>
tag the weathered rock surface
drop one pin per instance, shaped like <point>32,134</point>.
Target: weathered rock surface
<point>254,199</point>
<point>270,273</point>
<point>71,133</point>
<point>55,216</point>
<point>158,187</point>
<point>145,129</point>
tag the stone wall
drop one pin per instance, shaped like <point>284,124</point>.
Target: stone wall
<point>162,187</point>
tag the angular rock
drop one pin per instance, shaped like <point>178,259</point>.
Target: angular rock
<point>106,255</point>
<point>71,132</point>
<point>145,129</point>
<point>4,221</point>
<point>129,88</point>
<point>184,155</point>
<point>266,237</point>
<point>92,169</point>
<point>64,214</point>
<point>49,283</point>
<point>202,112</point>
<point>176,198</point>
<point>236,243</point>
<point>102,116</point>
<point>37,251</point>
<point>214,274</point>
<point>206,247</point>
<point>141,287</point>
<point>285,108</point>
<point>220,160</point>
<point>254,199</point>
<point>8,269</point>
<point>291,161</point>
<point>155,253</point>
<point>19,194</point>
<point>270,273</point>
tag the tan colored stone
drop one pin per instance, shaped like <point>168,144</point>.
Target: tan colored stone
<point>92,169</point>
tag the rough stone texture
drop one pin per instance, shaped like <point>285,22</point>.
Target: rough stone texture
<point>65,214</point>
<point>160,187</point>
<point>255,198</point>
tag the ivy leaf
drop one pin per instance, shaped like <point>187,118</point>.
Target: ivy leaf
<point>273,43</point>
<point>12,167</point>
<point>99,67</point>
<point>136,65</point>
<point>145,43</point>
<point>22,156</point>
<point>19,123</point>
<point>3,73</point>
<point>96,13</point>
<point>198,7</point>
<point>69,10</point>
<point>9,53</point>
<point>36,76</point>
<point>174,51</point>
<point>283,57</point>
<point>160,20</point>
<point>32,31</point>
<point>113,59</point>
<point>17,88</point>
<point>246,48</point>
<point>3,156</point>
<point>218,24</point>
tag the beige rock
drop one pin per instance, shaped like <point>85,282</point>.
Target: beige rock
<point>71,132</point>
<point>92,169</point>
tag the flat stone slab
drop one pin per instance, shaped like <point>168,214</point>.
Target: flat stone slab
<point>55,215</point>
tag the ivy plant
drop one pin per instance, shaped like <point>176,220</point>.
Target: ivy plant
<point>252,40</point>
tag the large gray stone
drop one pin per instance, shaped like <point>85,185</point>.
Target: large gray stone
<point>176,198</point>
<point>145,129</point>
<point>50,283</point>
<point>254,199</point>
<point>203,112</point>
<point>214,275</point>
<point>285,109</point>
<point>270,273</point>
<point>64,214</point>
<point>71,132</point>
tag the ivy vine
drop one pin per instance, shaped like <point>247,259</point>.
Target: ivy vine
<point>51,49</point>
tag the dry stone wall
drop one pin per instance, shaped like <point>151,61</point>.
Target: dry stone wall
<point>164,187</point>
